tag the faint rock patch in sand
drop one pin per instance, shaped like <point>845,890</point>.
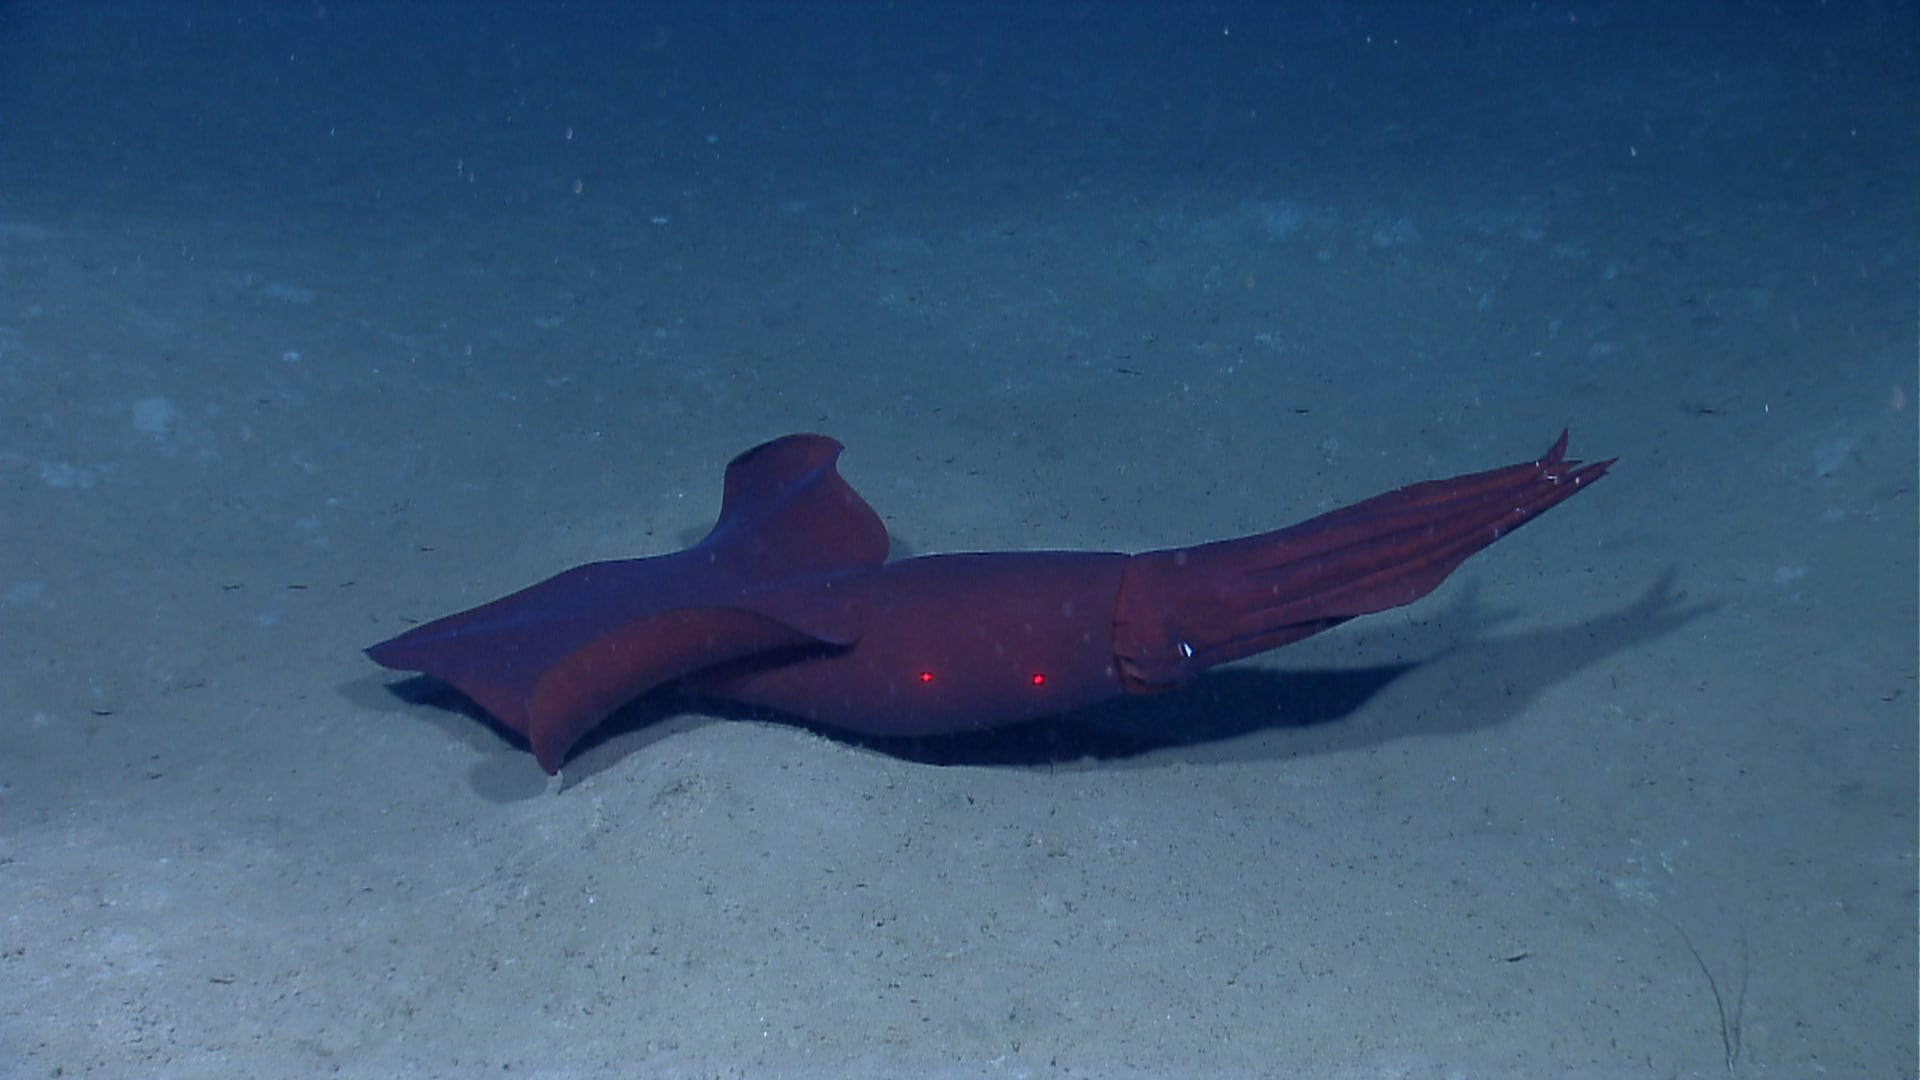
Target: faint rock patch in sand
<point>155,416</point>
<point>65,474</point>
<point>25,594</point>
<point>292,294</point>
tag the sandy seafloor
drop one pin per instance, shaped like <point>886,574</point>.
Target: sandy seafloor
<point>319,320</point>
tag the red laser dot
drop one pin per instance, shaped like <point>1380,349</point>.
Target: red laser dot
<point>926,677</point>
<point>1039,678</point>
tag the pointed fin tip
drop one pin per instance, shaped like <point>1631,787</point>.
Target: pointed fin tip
<point>791,488</point>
